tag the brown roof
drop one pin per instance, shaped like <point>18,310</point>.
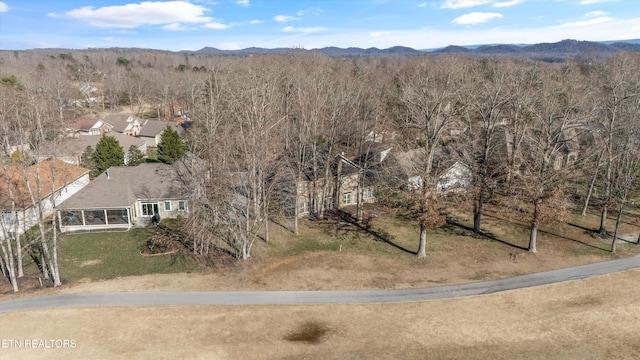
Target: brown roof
<point>84,123</point>
<point>19,185</point>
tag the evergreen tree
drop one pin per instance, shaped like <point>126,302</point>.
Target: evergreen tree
<point>108,153</point>
<point>171,146</point>
<point>135,156</point>
<point>89,161</point>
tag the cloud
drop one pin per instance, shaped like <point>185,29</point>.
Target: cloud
<point>589,2</point>
<point>124,32</point>
<point>243,3</point>
<point>256,22</point>
<point>144,13</point>
<point>424,4</point>
<point>216,26</point>
<point>284,18</point>
<point>508,3</point>
<point>459,4</point>
<point>476,18</point>
<point>587,23</point>
<point>174,27</point>
<point>311,10</point>
<point>378,34</point>
<point>3,7</point>
<point>303,30</point>
<point>595,14</point>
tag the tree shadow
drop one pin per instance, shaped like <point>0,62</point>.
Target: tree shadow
<point>485,234</point>
<point>380,235</point>
<point>550,233</point>
<point>575,240</point>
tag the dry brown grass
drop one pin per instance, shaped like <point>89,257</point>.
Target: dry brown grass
<point>597,318</point>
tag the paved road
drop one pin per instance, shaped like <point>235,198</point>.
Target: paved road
<point>157,298</point>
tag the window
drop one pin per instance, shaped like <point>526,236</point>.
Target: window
<point>347,198</point>
<point>9,218</point>
<point>182,206</point>
<point>117,216</point>
<point>149,209</point>
<point>303,208</point>
<point>367,194</point>
<point>71,217</point>
<point>167,205</point>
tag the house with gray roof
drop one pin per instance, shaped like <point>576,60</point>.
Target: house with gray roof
<point>70,150</point>
<point>123,197</point>
<point>124,123</point>
<point>153,129</point>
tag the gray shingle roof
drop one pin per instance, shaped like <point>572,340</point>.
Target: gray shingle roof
<point>154,127</point>
<point>126,184</point>
<point>76,146</point>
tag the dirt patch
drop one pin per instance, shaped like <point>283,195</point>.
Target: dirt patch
<point>90,263</point>
<point>311,332</point>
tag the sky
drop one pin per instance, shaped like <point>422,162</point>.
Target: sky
<point>237,24</point>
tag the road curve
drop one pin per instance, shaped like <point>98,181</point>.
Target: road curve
<point>167,298</point>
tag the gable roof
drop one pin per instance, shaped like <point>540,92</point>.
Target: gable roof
<point>63,172</point>
<point>119,121</point>
<point>154,127</point>
<point>86,123</point>
<point>121,186</point>
<point>76,146</point>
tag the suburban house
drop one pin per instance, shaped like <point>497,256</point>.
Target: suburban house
<point>123,197</point>
<point>456,176</point>
<point>70,150</point>
<point>152,131</point>
<point>57,181</point>
<point>124,123</point>
<point>409,167</point>
<point>340,189</point>
<point>87,125</point>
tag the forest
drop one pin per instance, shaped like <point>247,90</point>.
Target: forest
<point>283,136</point>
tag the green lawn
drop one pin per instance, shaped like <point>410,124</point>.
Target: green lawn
<point>107,255</point>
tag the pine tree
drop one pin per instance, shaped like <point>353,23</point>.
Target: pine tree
<point>171,146</point>
<point>108,153</point>
<point>135,156</point>
<point>89,161</point>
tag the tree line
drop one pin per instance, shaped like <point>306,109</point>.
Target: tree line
<point>549,135</point>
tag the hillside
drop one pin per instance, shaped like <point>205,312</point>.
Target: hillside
<point>564,48</point>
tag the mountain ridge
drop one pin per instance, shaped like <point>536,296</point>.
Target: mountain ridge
<point>568,47</point>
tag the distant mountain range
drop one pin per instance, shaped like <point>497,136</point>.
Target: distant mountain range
<point>561,49</point>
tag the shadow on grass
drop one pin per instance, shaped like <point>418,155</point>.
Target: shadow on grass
<point>575,240</point>
<point>558,235</point>
<point>554,234</point>
<point>488,235</point>
<point>378,234</point>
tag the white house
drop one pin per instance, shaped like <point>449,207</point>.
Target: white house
<point>57,181</point>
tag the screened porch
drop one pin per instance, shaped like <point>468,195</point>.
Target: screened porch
<point>94,219</point>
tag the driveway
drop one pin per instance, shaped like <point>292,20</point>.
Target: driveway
<point>167,298</point>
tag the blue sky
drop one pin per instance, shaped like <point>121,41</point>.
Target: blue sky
<point>237,24</point>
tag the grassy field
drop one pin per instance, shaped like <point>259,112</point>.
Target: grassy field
<point>109,255</point>
<point>595,318</point>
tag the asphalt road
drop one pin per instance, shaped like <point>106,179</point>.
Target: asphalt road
<point>166,298</point>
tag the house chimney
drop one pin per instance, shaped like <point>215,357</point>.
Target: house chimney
<point>108,175</point>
